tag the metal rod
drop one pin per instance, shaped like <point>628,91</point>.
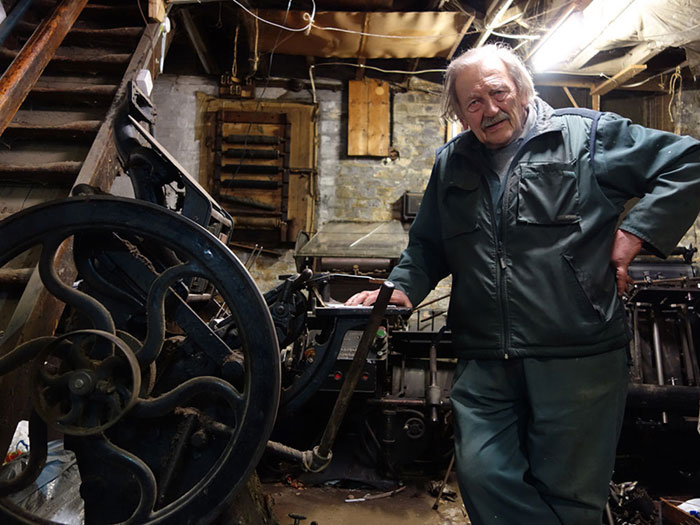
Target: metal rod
<point>423,305</point>
<point>15,16</point>
<point>657,354</point>
<point>637,374</point>
<point>355,371</point>
<point>433,391</point>
<point>444,482</point>
<point>691,356</point>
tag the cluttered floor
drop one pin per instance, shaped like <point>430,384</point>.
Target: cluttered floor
<point>412,503</point>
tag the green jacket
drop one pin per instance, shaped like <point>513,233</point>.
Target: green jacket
<point>531,273</point>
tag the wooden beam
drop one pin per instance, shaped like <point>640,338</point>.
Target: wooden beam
<point>14,277</point>
<point>29,64</point>
<point>640,54</point>
<point>571,97</point>
<point>617,80</point>
<point>560,80</point>
<point>156,10</point>
<point>360,71</point>
<point>458,40</point>
<point>595,102</point>
<point>491,21</point>
<point>200,47</point>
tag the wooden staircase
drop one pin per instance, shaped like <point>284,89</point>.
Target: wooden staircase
<point>44,148</point>
<point>61,135</point>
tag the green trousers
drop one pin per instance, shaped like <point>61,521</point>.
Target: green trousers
<point>535,439</point>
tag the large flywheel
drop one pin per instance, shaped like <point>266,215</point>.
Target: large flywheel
<point>164,376</point>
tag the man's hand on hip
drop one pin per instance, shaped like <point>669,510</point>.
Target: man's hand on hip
<point>625,248</point>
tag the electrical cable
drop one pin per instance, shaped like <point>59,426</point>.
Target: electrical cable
<point>363,66</point>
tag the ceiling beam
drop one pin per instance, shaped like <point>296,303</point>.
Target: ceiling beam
<point>458,40</point>
<point>491,21</point>
<point>200,47</point>
<point>639,54</point>
<point>617,80</point>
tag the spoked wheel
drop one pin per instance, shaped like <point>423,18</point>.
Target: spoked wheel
<point>166,396</point>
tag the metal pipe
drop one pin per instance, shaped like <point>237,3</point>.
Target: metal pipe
<point>690,345</point>
<point>9,24</point>
<point>433,391</point>
<point>27,67</point>
<point>675,399</point>
<point>637,375</point>
<point>657,355</point>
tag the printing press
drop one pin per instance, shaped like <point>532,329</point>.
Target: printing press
<point>171,377</point>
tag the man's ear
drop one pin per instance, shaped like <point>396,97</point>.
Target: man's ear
<point>463,122</point>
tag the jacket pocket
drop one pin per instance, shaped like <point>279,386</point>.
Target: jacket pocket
<point>585,291</point>
<point>548,195</point>
<point>459,210</point>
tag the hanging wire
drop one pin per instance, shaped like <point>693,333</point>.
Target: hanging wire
<point>307,17</point>
<point>364,66</point>
<point>675,79</point>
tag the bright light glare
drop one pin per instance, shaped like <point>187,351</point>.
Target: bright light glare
<point>560,44</point>
<point>577,31</point>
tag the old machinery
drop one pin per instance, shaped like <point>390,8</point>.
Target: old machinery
<point>166,410</point>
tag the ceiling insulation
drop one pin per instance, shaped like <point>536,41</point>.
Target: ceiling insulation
<point>645,27</point>
<point>343,34</point>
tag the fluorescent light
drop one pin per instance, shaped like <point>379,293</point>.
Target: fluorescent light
<point>560,44</point>
<point>578,30</point>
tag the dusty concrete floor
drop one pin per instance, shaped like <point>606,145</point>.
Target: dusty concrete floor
<point>325,505</point>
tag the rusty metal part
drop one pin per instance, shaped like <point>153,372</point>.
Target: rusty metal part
<point>240,153</point>
<point>26,68</point>
<point>78,389</point>
<point>248,202</point>
<point>257,223</point>
<point>354,264</point>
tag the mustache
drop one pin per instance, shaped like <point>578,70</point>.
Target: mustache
<point>498,117</point>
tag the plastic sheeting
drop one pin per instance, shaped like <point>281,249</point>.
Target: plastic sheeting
<point>55,494</point>
<point>658,24</point>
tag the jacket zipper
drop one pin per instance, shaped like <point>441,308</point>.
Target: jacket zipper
<point>503,266</point>
<point>500,274</point>
<point>500,235</point>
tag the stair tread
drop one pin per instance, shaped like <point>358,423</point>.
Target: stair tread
<point>76,81</point>
<point>98,89</point>
<point>66,165</point>
<point>79,125</point>
<point>41,154</point>
<point>55,117</point>
<point>77,53</point>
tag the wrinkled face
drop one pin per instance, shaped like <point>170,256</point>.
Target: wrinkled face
<point>489,103</point>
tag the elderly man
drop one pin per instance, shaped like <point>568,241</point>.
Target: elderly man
<point>522,209</point>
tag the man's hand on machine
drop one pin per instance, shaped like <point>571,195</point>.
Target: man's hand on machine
<point>369,297</point>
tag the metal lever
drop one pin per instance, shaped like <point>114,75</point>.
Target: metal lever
<point>322,453</point>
